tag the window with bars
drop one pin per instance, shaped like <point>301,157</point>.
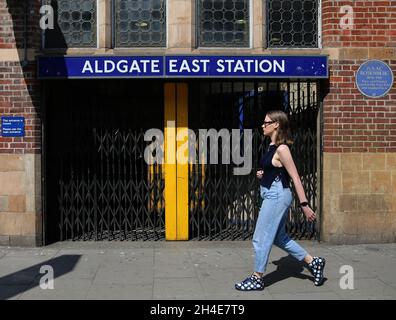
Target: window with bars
<point>140,23</point>
<point>223,23</point>
<point>292,23</point>
<point>75,24</point>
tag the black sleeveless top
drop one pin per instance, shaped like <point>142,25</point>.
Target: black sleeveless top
<point>271,172</point>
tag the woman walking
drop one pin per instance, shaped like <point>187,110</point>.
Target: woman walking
<point>278,167</point>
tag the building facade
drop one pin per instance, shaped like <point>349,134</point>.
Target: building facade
<point>76,172</point>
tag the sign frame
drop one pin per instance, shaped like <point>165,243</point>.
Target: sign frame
<point>42,69</point>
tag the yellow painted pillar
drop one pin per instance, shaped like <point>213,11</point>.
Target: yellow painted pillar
<point>170,162</point>
<point>182,161</point>
<point>176,161</point>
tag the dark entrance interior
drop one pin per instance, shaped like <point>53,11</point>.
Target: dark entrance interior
<point>98,186</point>
<point>224,206</point>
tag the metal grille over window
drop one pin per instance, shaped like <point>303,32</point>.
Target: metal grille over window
<point>140,23</point>
<point>75,24</point>
<point>223,23</point>
<point>292,23</point>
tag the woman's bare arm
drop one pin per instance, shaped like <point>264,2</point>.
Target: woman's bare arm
<point>287,161</point>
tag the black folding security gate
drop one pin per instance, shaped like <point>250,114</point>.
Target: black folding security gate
<point>223,205</point>
<point>99,186</point>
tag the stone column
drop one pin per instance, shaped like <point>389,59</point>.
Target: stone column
<point>180,25</point>
<point>258,21</point>
<point>104,23</point>
<point>20,200</point>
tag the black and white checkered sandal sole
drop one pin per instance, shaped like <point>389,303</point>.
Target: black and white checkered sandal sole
<point>251,283</point>
<point>317,269</point>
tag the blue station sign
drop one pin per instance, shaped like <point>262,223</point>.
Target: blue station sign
<point>183,67</point>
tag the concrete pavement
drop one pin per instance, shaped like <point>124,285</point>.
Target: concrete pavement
<point>191,270</point>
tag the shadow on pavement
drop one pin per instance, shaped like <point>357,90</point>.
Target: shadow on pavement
<point>23,280</point>
<point>287,267</point>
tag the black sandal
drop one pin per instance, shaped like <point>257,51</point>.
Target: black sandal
<point>251,283</point>
<point>317,270</point>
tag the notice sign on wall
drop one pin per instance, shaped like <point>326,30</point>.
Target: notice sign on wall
<point>374,79</point>
<point>13,126</point>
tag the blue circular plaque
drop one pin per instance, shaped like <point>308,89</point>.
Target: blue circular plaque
<point>374,78</point>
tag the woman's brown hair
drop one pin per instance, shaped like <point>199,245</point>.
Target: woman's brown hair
<point>283,136</point>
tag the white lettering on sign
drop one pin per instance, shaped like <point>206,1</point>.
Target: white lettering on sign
<point>248,66</point>
<point>122,66</point>
<point>172,65</point>
<point>155,66</point>
<point>87,67</point>
<point>269,66</point>
<point>97,68</point>
<point>109,66</point>
<point>184,66</point>
<point>193,66</point>
<point>205,64</point>
<point>279,66</point>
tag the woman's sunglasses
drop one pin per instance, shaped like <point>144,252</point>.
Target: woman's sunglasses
<point>266,123</point>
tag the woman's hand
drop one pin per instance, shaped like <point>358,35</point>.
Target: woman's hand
<point>260,174</point>
<point>309,213</point>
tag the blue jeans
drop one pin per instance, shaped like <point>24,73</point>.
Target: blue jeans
<point>270,226</point>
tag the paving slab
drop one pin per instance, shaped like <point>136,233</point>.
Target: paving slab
<point>121,292</point>
<point>177,287</point>
<point>191,270</point>
<point>63,290</point>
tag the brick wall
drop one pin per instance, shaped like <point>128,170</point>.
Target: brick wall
<point>359,179</point>
<point>19,89</point>
<point>12,31</point>
<point>353,122</point>
<point>20,160</point>
<point>20,96</point>
<point>374,24</point>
